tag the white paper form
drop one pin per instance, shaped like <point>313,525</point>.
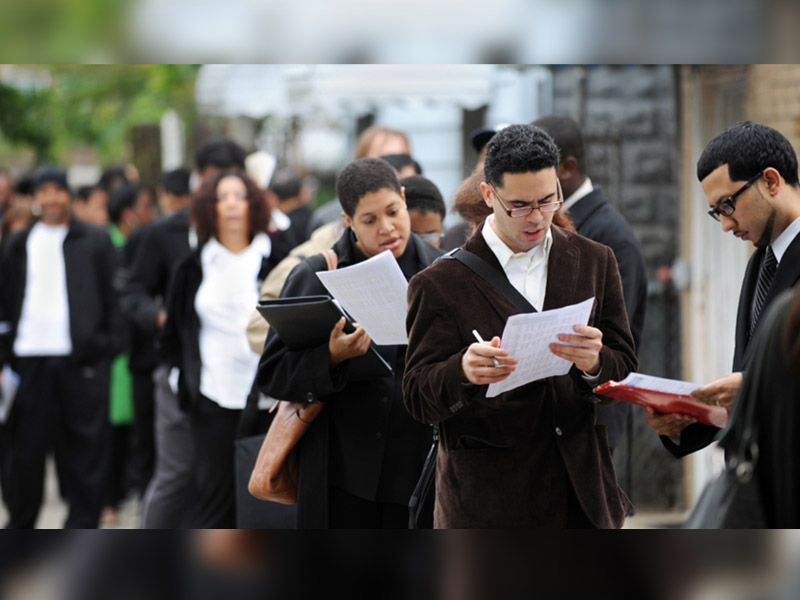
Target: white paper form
<point>373,293</point>
<point>659,384</point>
<point>528,336</point>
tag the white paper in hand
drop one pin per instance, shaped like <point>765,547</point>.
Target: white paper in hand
<point>373,293</point>
<point>528,336</point>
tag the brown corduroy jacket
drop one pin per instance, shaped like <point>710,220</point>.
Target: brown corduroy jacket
<point>533,456</point>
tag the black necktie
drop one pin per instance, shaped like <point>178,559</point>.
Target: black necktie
<point>768,267</point>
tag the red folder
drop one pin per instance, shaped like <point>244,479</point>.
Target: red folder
<point>665,403</point>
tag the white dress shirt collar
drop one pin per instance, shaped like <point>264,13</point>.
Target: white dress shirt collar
<point>784,240</point>
<point>503,252</point>
<point>585,189</point>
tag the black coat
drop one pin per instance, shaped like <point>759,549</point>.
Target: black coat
<point>699,436</point>
<point>179,340</point>
<point>164,244</point>
<point>598,220</point>
<point>90,259</point>
<point>772,384</point>
<point>364,441</point>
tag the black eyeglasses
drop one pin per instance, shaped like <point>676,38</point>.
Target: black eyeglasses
<point>726,207</point>
<point>545,206</point>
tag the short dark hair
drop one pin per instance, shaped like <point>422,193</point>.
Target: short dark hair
<point>747,148</point>
<point>24,185</point>
<point>121,198</point>
<point>423,195</point>
<point>204,207</point>
<point>51,174</point>
<point>83,193</point>
<point>286,184</point>
<point>176,182</point>
<point>518,149</point>
<point>221,153</point>
<point>566,134</point>
<point>401,161</point>
<point>112,177</point>
<point>361,177</point>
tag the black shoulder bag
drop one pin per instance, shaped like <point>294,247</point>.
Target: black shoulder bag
<point>423,495</point>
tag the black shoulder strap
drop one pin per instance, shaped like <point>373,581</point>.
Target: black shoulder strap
<point>495,278</point>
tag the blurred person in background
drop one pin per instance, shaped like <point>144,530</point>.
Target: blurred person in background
<point>361,458</point>
<point>596,219</point>
<point>212,292</point>
<point>6,192</point>
<point>130,207</point>
<point>166,242</point>
<point>19,213</point>
<point>404,164</point>
<point>91,205</point>
<point>59,319</point>
<point>374,141</point>
<point>749,175</point>
<point>425,207</point>
<point>470,206</point>
<point>293,198</point>
<point>174,192</point>
<point>114,177</point>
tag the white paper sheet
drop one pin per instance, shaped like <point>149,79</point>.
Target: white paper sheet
<point>373,293</point>
<point>659,384</point>
<point>528,336</point>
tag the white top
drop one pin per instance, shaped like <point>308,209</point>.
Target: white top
<point>785,239</point>
<point>224,303</point>
<point>43,328</point>
<point>527,271</point>
<point>584,189</point>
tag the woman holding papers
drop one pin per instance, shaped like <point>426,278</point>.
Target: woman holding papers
<point>360,460</point>
<point>212,293</point>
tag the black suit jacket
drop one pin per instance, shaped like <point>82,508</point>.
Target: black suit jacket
<point>364,441</point>
<point>163,245</point>
<point>598,220</point>
<point>90,261</point>
<point>699,436</point>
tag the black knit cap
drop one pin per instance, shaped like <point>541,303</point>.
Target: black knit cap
<point>54,175</point>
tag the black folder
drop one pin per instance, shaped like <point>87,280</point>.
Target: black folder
<point>306,321</point>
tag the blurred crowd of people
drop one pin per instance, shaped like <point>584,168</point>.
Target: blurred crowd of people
<point>129,333</point>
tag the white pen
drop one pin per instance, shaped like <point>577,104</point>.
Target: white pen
<point>480,339</point>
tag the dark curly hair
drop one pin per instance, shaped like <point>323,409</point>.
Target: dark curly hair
<point>518,149</point>
<point>364,176</point>
<point>747,148</point>
<point>204,207</point>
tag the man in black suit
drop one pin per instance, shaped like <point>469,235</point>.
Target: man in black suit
<point>59,329</point>
<point>164,244</point>
<point>598,220</point>
<point>749,175</point>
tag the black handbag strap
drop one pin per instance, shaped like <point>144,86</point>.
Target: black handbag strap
<point>492,276</point>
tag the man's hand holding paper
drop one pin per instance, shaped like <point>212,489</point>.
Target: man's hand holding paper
<point>533,339</point>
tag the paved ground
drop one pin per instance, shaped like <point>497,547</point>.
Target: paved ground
<point>54,511</point>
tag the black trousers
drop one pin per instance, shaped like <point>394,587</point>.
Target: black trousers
<point>61,407</point>
<point>143,454</point>
<point>214,431</point>
<point>346,511</point>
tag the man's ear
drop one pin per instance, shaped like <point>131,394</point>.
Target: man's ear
<point>567,168</point>
<point>486,191</point>
<point>773,179</point>
<point>347,220</point>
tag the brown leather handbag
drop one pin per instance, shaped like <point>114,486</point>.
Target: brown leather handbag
<point>274,477</point>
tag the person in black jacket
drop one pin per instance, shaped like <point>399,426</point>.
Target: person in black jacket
<point>211,296</point>
<point>59,328</point>
<point>749,175</point>
<point>359,461</point>
<point>598,220</point>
